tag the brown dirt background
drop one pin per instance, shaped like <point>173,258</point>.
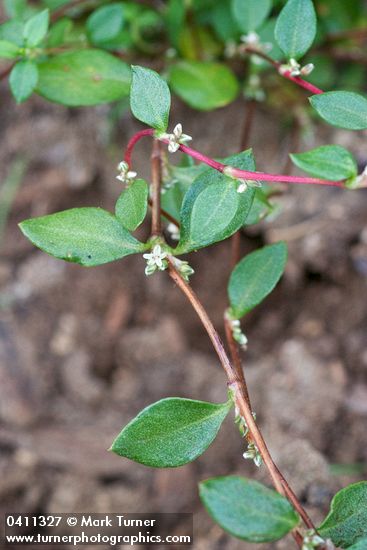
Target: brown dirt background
<point>82,351</point>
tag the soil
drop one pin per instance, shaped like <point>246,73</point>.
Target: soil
<point>83,350</point>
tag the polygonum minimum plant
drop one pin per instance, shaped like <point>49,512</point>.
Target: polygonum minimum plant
<point>198,205</point>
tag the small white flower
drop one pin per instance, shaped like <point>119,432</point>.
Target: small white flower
<point>295,69</point>
<point>176,138</point>
<point>312,540</point>
<point>242,187</point>
<point>244,184</point>
<point>125,175</point>
<point>252,453</point>
<point>307,69</point>
<point>155,260</point>
<point>173,231</point>
<point>183,268</point>
<point>237,333</point>
<point>251,39</point>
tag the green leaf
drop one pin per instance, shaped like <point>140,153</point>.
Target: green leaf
<point>35,29</point>
<point>171,432</point>
<point>12,31</point>
<point>15,8</point>
<point>105,23</point>
<point>328,161</point>
<point>203,85</point>
<point>223,21</point>
<point>254,278</point>
<point>8,50</point>
<point>131,206</point>
<point>346,522</point>
<point>247,509</point>
<point>59,32</point>
<point>343,109</point>
<point>260,208</point>
<point>87,236</point>
<point>250,14</point>
<point>86,77</point>
<point>360,545</point>
<point>23,80</point>
<point>212,209</point>
<point>150,98</point>
<point>296,28</point>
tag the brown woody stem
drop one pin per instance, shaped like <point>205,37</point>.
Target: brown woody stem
<point>156,188</point>
<point>235,382</point>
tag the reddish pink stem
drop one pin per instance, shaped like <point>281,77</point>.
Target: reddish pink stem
<point>303,83</point>
<point>244,174</point>
<point>133,141</point>
<point>231,171</point>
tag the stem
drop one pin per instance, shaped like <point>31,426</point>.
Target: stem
<point>234,172</point>
<point>248,123</point>
<point>156,188</point>
<point>254,176</point>
<point>166,215</point>
<point>236,384</point>
<point>133,141</point>
<point>245,137</point>
<point>286,74</point>
<point>236,360</point>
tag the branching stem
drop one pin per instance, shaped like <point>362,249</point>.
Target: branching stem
<point>286,74</point>
<point>236,384</point>
<point>156,188</point>
<point>234,172</point>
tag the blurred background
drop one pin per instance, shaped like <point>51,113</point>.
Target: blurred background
<point>83,350</point>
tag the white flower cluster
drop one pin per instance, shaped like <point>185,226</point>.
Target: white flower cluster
<point>252,452</point>
<point>252,39</point>
<point>126,175</point>
<point>183,268</point>
<point>176,138</point>
<point>312,540</point>
<point>173,231</point>
<point>295,69</point>
<point>237,333</point>
<point>156,260</point>
<point>253,89</point>
<point>245,184</point>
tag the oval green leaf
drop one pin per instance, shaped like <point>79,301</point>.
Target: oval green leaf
<point>295,29</point>
<point>343,109</point>
<point>328,161</point>
<point>247,509</point>
<point>150,98</point>
<point>131,206</point>
<point>346,523</point>
<point>250,14</point>
<point>254,278</point>
<point>212,210</point>
<point>105,23</point>
<point>171,432</point>
<point>35,29</point>
<point>203,85</point>
<point>23,80</point>
<point>8,50</point>
<point>87,236</point>
<point>86,77</point>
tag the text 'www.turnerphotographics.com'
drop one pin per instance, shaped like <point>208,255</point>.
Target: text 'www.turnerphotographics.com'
<point>96,529</point>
